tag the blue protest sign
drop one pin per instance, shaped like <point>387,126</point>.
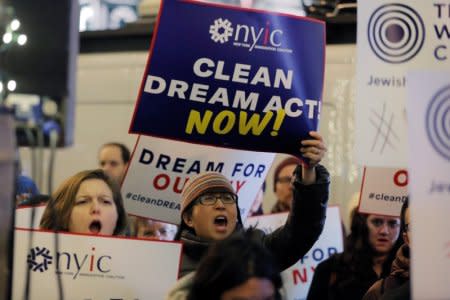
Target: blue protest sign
<point>232,77</point>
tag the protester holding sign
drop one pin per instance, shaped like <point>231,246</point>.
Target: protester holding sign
<point>88,202</point>
<point>368,253</point>
<point>235,268</point>
<point>205,219</point>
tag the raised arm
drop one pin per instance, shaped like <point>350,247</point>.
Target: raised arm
<point>314,149</point>
<point>305,222</point>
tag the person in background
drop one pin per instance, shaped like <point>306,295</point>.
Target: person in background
<point>36,200</point>
<point>235,268</point>
<point>368,253</point>
<point>282,184</point>
<point>25,189</point>
<point>113,159</point>
<point>397,284</point>
<point>154,230</point>
<point>210,212</point>
<point>88,202</point>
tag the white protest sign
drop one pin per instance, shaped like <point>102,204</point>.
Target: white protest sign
<point>26,215</point>
<point>93,267</point>
<point>297,278</point>
<point>429,175</point>
<point>394,37</point>
<point>383,191</point>
<point>159,169</point>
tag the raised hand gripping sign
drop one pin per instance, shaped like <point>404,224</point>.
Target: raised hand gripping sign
<point>232,77</point>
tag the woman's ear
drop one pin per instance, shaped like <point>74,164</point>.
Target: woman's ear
<point>187,218</point>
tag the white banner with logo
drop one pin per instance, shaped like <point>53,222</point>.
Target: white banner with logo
<point>429,174</point>
<point>159,169</point>
<point>29,217</point>
<point>393,37</point>
<point>297,278</point>
<point>383,191</point>
<point>91,267</point>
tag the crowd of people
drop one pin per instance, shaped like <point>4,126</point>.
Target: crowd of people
<point>223,260</point>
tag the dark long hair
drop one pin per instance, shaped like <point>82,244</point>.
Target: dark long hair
<point>357,258</point>
<point>230,263</point>
<point>405,206</point>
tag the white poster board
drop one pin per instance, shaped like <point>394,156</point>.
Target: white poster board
<point>159,169</point>
<point>27,215</point>
<point>93,267</point>
<point>393,37</point>
<point>429,170</point>
<point>383,191</point>
<point>297,278</point>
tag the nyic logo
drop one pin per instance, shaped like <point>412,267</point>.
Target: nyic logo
<point>69,263</point>
<point>437,122</point>
<point>251,37</point>
<point>221,30</point>
<point>396,33</point>
<point>39,259</point>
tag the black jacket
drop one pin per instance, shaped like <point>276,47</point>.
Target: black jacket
<point>396,285</point>
<point>331,282</point>
<point>288,243</point>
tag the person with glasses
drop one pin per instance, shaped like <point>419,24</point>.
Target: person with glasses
<point>397,284</point>
<point>282,184</point>
<point>210,212</point>
<point>153,230</point>
<point>368,254</point>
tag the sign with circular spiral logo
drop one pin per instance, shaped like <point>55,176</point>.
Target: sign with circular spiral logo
<point>438,122</point>
<point>396,33</point>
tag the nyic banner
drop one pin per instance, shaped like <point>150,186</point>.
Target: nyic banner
<point>92,267</point>
<point>232,77</point>
<point>29,217</point>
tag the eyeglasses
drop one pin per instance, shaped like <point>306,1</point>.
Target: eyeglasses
<point>285,179</point>
<point>211,199</point>
<point>378,222</point>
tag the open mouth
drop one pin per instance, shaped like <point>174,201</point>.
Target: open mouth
<point>95,227</point>
<point>221,221</point>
